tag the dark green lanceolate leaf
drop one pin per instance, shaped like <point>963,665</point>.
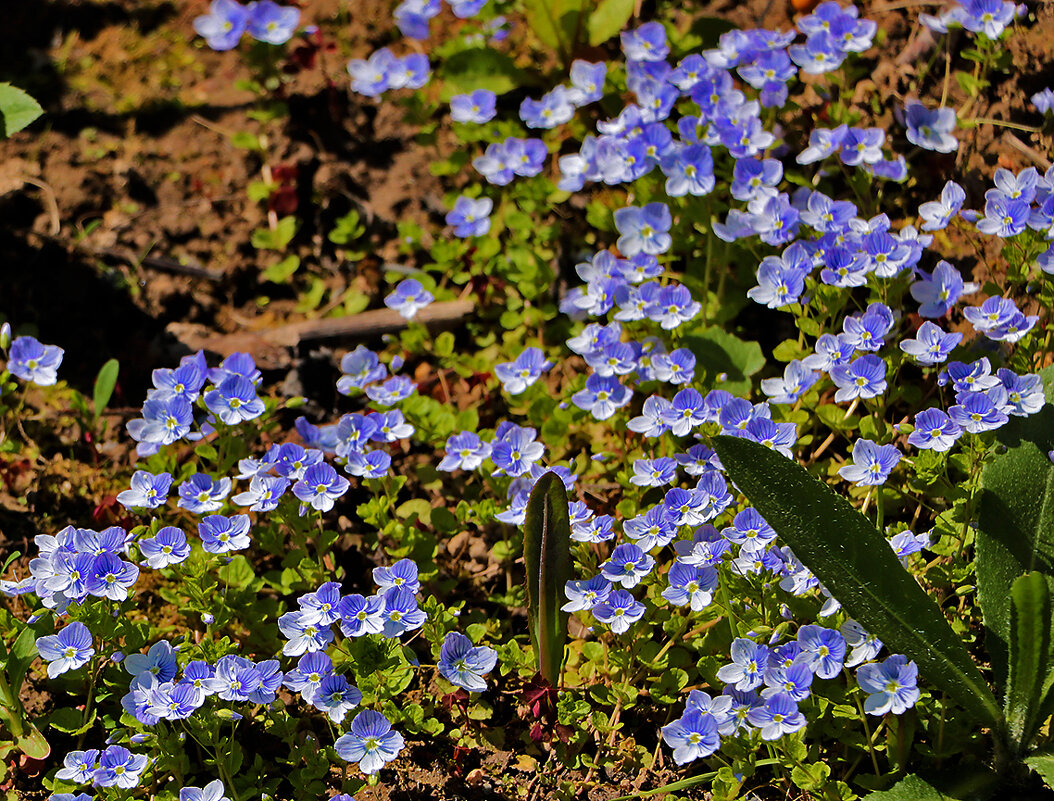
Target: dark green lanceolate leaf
<point>105,382</point>
<point>608,18</point>
<point>1042,762</point>
<point>479,68</point>
<point>848,555</point>
<point>558,24</point>
<point>1016,527</point>
<point>547,558</point>
<point>1029,658</point>
<point>718,351</point>
<point>17,109</point>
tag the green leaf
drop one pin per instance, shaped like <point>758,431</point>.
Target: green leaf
<point>1042,762</point>
<point>105,381</point>
<point>910,788</point>
<point>69,721</point>
<point>21,656</point>
<point>557,23</point>
<point>282,271</point>
<point>32,743</point>
<point>1029,658</point>
<point>479,68</point>
<point>718,351</point>
<point>854,561</point>
<point>1016,522</point>
<point>17,109</point>
<point>547,558</point>
<point>608,18</point>
<point>278,239</point>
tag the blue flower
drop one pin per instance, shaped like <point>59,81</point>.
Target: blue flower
<point>148,491</point>
<point>33,362</point>
<point>465,9</point>
<point>392,391</point>
<point>976,413</point>
<point>320,487</point>
<point>401,575</point>
<point>891,685</point>
<point>939,292</point>
<point>654,472</point>
<point>938,213</point>
<point>644,229</point>
<point>470,217</point>
<point>795,680</point>
<point>749,530</point>
<point>823,142</point>
<point>159,662</point>
<point>553,109</point>
<point>370,77</point>
<point>1044,101</point>
<point>221,534</point>
<point>272,23</point>
<point>587,82</point>
<point>464,451</point>
<point>930,345</point>
<point>796,380</point>
<point>391,426</point>
<point>336,697</point>
<point>627,565</point>
<point>70,649</point>
<point>820,53</point>
<point>864,377</point>
<point>400,612</point>
<point>79,766</point>
<point>673,305</point>
<point>412,17</point>
<point>584,595</point>
<point>862,146</point>
<point>602,396</point>
<point>408,298</point>
<point>620,610</point>
<point>515,449</point>
<point>370,742</point>
<point>931,130</point>
<point>224,25</point>
<point>822,650</point>
<point>263,494</point>
<point>119,767</point>
<point>689,171</point>
<point>1003,216</point>
<point>934,430</point>
<point>523,371</point>
<point>463,664</point>
<point>373,464</point>
<point>360,367</point>
<point>200,493</point>
<point>645,43</point>
<point>872,463</point>
<point>690,585</point>
<point>749,662</point>
<point>691,736</point>
<point>111,577</point>
<point>360,615</point>
<point>213,791</point>
<point>234,400</point>
<point>307,677</point>
<point>654,418</point>
<point>478,106</point>
<point>778,716</point>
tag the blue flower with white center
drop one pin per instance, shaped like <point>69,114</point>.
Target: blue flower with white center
<point>31,361</point>
<point>370,742</point>
<point>627,565</point>
<point>584,595</point>
<point>1024,392</point>
<point>645,43</point>
<point>463,664</point>
<point>977,413</point>
<point>392,391</point>
<point>891,685</point>
<point>749,662</point>
<point>818,55</point>
<point>553,109</point>
<point>195,675</point>
<point>872,463</point>
<point>524,370</point>
<point>830,350</point>
<point>200,493</point>
<point>147,491</point>
<point>170,701</point>
<point>373,464</point>
<point>655,528</point>
<point>79,766</point>
<point>973,377</point>
<point>822,650</point>
<point>224,25</point>
<point>360,615</point>
<point>391,426</point>
<point>369,77</point>
<point>111,577</point>
<point>618,358</point>
<point>119,767</point>
<point>1003,216</point>
<point>360,367</point>
<point>272,23</point>
<point>939,292</point>
<point>413,16</point>
<point>470,216</point>
<point>845,268</point>
<point>690,585</point>
<point>823,142</point>
<point>213,791</point>
<point>750,530</point>
<point>654,472</point>
<point>685,412</point>
<point>263,494</point>
<point>587,82</point>
<point>478,106</point>
<point>619,610</point>
<point>743,701</point>
<point>796,380</point>
<point>221,534</point>
<point>644,229</point>
<point>779,283</point>
<point>464,451</point>
<point>408,298</point>
<point>778,716</point>
<point>336,697</point>
<point>864,377</point>
<point>164,421</point>
<point>525,157</point>
<point>515,449</point>
<point>931,129</point>
<point>654,418</point>
<point>794,680</point>
<point>320,487</point>
<point>70,649</point>
<point>930,345</point>
<point>602,396</point>
<point>691,736</point>
<point>304,633</point>
<point>159,662</point>
<point>862,146</point>
<point>307,677</point>
<point>401,575</point>
<point>936,214</point>
<point>594,529</point>
<point>778,436</point>
<point>677,367</point>
<point>934,430</point>
<point>400,612</point>
<point>234,400</point>
<point>320,606</point>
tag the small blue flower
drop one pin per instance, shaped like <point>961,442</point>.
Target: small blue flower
<point>644,229</point>
<point>749,662</point>
<point>1003,216</point>
<point>645,43</point>
<point>159,662</point>
<point>515,449</point>
<point>692,736</point>
<point>234,400</point>
<point>584,595</point>
<point>70,649</point>
<point>263,494</point>
<point>553,109</point>
<point>690,585</point>
<point>891,685</point>
<point>822,650</point>
<point>392,391</point>
<point>872,463</point>
<point>213,791</point>
<point>627,565</point>
<point>977,413</point>
<point>587,82</point>
<point>79,766</point>
<point>320,487</point>
<point>224,25</point>
<point>119,767</point>
<point>523,371</point>
<point>934,430</point>
<point>401,575</point>
<point>33,362</point>
<point>864,377</point>
<point>470,217</point>
<point>930,345</point>
<point>938,213</point>
<point>272,23</point>
<point>620,610</point>
<point>221,534</point>
<point>400,612</point>
<point>478,106</point>
<point>148,491</point>
<point>939,292</point>
<point>463,664</point>
<point>373,464</point>
<point>654,472</point>
<point>408,298</point>
<point>464,451</point>
<point>778,716</point>
<point>370,76</point>
<point>602,396</point>
<point>931,129</point>
<point>200,493</point>
<point>370,742</point>
<point>336,697</point>
<point>360,367</point>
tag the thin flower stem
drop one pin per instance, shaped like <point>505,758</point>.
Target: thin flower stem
<point>1002,123</point>
<point>867,732</point>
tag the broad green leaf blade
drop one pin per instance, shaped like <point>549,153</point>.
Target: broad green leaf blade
<point>910,788</point>
<point>17,109</point>
<point>105,382</point>
<point>1029,658</point>
<point>32,743</point>
<point>557,23</point>
<point>547,558</point>
<point>1016,524</point>
<point>479,68</point>
<point>23,652</point>
<point>848,555</point>
<point>721,353</point>
<point>608,18</point>
<point>1042,762</point>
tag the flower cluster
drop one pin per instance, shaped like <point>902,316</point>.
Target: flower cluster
<point>264,20</point>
